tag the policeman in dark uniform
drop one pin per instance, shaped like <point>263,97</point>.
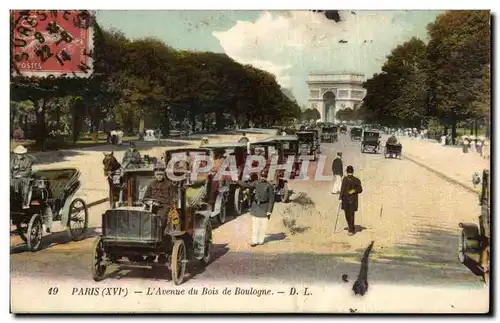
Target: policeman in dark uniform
<point>132,157</point>
<point>20,174</point>
<point>351,187</point>
<point>162,190</point>
<point>262,207</point>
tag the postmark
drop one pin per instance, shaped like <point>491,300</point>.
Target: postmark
<point>52,43</point>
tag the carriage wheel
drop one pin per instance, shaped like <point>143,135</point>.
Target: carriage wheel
<point>77,219</point>
<point>207,253</point>
<point>286,193</point>
<point>221,217</point>
<point>485,264</point>
<point>462,246</point>
<point>35,232</point>
<point>238,201</point>
<point>178,265</point>
<point>98,268</point>
<point>22,231</point>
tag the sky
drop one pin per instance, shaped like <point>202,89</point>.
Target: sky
<point>289,44</point>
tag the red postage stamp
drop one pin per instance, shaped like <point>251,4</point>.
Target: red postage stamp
<point>52,43</point>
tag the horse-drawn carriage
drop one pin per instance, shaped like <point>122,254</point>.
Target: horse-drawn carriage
<point>53,197</point>
<point>269,148</point>
<point>329,133</point>
<point>135,235</point>
<point>475,241</point>
<point>393,148</point>
<point>239,195</point>
<point>356,133</point>
<point>343,129</point>
<point>371,140</point>
<point>307,144</point>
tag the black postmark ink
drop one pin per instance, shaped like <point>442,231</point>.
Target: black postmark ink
<point>82,20</point>
<point>39,37</point>
<point>63,57</point>
<point>53,13</point>
<point>21,57</point>
<point>66,37</point>
<point>87,53</point>
<point>84,67</point>
<point>44,53</point>
<point>31,20</point>
<point>23,30</point>
<point>52,28</point>
<point>42,13</point>
<point>65,14</point>
<point>22,41</point>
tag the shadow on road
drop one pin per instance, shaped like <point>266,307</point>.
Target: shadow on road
<point>357,228</point>
<point>54,239</point>
<point>275,237</point>
<point>193,268</point>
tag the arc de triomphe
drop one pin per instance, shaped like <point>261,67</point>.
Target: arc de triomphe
<point>331,92</point>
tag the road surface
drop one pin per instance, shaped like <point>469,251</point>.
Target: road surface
<point>411,214</point>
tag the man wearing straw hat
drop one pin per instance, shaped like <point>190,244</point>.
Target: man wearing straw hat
<point>20,172</point>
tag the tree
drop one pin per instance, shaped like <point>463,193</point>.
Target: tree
<point>398,95</point>
<point>310,114</point>
<point>459,57</point>
<point>346,115</point>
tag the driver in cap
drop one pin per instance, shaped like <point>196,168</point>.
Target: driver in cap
<point>162,190</point>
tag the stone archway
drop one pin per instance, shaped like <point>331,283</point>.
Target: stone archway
<point>329,106</point>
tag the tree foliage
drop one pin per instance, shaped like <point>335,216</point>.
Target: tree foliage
<point>447,79</point>
<point>147,79</point>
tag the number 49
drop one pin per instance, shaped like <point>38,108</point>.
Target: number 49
<point>53,291</point>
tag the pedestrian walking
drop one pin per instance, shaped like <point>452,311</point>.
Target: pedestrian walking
<point>351,187</point>
<point>338,172</point>
<point>262,207</point>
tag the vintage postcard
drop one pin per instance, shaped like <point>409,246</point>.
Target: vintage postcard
<point>292,161</point>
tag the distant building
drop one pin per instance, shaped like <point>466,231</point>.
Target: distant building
<point>330,92</point>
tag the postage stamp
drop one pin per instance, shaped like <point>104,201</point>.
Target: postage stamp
<point>52,42</point>
<point>293,161</point>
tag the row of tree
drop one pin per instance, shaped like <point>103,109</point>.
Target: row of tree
<point>146,79</point>
<point>446,80</point>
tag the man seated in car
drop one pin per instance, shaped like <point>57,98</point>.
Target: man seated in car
<point>163,190</point>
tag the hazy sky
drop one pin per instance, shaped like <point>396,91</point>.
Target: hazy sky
<point>288,44</point>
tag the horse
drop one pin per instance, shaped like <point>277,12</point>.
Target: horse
<point>111,168</point>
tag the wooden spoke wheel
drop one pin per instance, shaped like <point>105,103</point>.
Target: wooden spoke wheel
<point>98,266</point>
<point>77,219</point>
<point>462,246</point>
<point>221,217</point>
<point>207,254</point>
<point>34,233</point>
<point>238,201</point>
<point>178,264</point>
